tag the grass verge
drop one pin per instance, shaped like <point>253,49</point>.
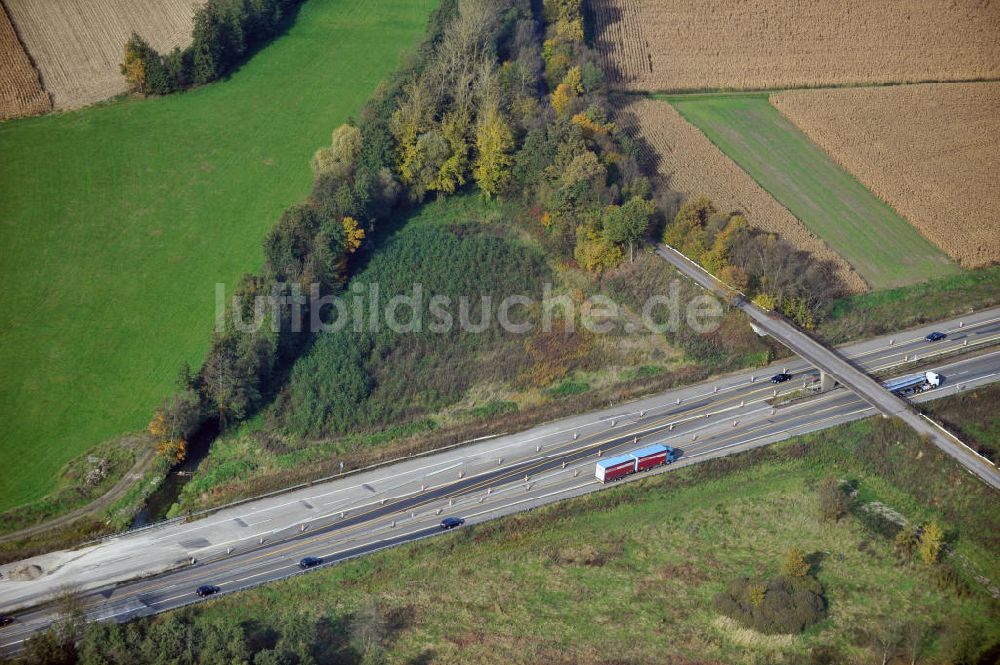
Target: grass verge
<point>362,399</point>
<point>881,312</point>
<point>972,416</point>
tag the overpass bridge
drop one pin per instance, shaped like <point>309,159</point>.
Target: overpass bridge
<point>834,368</point>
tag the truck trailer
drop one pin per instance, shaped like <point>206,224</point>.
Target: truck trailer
<point>614,468</point>
<point>913,384</point>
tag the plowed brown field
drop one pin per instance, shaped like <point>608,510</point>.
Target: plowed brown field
<point>78,44</point>
<point>21,92</point>
<point>692,165</point>
<point>754,44</point>
<point>930,151</point>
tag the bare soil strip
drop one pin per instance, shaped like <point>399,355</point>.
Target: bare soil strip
<point>932,152</point>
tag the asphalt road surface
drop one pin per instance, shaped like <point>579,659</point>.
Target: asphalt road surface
<point>840,368</point>
<point>256,542</point>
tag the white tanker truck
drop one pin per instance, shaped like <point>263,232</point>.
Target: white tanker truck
<point>913,384</point>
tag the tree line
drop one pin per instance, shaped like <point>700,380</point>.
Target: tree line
<point>312,243</point>
<point>502,95</point>
<point>225,32</point>
<point>359,637</point>
<point>768,269</point>
<point>497,96</point>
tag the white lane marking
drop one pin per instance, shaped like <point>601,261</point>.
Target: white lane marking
<point>811,405</point>
<point>967,328</point>
<point>540,497</point>
<point>167,600</point>
<point>374,542</point>
<point>250,577</point>
<point>939,351</point>
<point>290,503</point>
<point>574,487</point>
<point>738,384</point>
<point>125,611</point>
<point>536,498</point>
<point>447,468</point>
<point>783,431</point>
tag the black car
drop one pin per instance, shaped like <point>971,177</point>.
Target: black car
<point>780,378</point>
<point>207,590</point>
<point>6,620</point>
<point>309,562</point>
<point>935,336</point>
<point>451,522</point>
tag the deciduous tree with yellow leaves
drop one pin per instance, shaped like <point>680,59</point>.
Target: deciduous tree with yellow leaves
<point>339,157</point>
<point>931,543</point>
<point>134,67</point>
<point>795,564</point>
<point>353,235</point>
<point>561,97</point>
<point>494,147</point>
<point>595,252</point>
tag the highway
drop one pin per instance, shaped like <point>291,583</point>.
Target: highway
<point>259,541</point>
<point>837,367</point>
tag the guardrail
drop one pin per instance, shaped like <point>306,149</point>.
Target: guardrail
<point>979,456</point>
<point>285,490</point>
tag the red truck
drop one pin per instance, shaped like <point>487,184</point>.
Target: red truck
<point>644,459</point>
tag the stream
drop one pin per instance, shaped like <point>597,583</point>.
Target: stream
<point>160,501</point>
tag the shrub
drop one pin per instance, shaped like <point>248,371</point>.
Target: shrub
<point>833,503</point>
<point>907,542</point>
<point>931,542</point>
<point>795,564</point>
<point>782,605</point>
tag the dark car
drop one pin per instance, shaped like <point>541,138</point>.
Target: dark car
<point>935,336</point>
<point>207,590</point>
<point>780,378</point>
<point>6,620</point>
<point>451,522</point>
<point>309,562</point>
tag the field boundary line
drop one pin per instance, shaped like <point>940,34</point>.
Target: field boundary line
<point>722,92</point>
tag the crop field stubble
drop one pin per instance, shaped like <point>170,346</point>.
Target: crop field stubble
<point>711,45</point>
<point>78,44</point>
<point>692,165</point>
<point>674,45</point>
<point>930,151</point>
<point>21,92</point>
<point>877,242</point>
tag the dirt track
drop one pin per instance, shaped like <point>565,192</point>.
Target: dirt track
<point>134,475</point>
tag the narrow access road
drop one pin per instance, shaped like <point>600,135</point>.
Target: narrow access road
<point>143,461</point>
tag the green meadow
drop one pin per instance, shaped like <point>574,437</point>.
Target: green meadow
<point>883,247</point>
<point>117,221</point>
